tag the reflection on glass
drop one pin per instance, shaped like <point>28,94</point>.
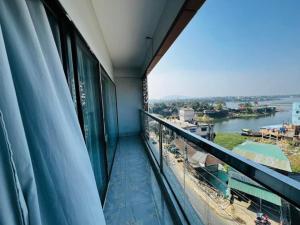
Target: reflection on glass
<point>110,116</point>
<point>90,100</point>
<point>153,137</point>
<point>70,71</point>
<point>55,31</point>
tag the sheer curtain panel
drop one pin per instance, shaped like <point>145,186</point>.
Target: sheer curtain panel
<point>45,173</point>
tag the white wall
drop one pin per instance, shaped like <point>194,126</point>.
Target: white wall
<point>296,113</point>
<point>170,12</point>
<point>128,82</point>
<point>82,13</point>
<point>129,97</point>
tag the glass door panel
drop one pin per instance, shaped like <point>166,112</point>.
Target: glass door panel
<point>110,116</point>
<point>90,101</point>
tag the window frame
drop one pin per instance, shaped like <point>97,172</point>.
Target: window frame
<point>103,74</point>
<point>67,27</point>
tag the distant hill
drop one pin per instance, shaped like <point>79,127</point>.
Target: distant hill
<point>174,97</point>
<point>171,98</point>
<point>224,98</point>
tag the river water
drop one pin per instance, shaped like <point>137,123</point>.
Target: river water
<point>235,125</point>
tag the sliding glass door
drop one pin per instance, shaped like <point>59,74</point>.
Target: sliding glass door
<point>54,25</point>
<point>90,101</point>
<point>93,94</point>
<point>110,116</point>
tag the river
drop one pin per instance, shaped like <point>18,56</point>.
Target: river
<point>235,125</point>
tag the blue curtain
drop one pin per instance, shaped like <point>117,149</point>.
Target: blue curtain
<point>45,173</point>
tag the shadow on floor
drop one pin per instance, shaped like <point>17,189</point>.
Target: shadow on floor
<point>134,196</point>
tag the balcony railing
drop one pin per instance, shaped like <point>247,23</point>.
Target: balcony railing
<point>213,185</point>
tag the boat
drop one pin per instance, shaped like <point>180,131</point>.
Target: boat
<point>250,133</point>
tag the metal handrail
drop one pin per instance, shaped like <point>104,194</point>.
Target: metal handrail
<point>284,186</point>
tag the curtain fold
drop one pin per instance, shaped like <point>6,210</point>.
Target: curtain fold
<point>14,211</point>
<point>52,167</point>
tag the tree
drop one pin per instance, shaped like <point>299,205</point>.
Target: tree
<point>219,106</point>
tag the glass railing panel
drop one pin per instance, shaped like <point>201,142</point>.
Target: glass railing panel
<point>209,191</point>
<point>152,136</point>
<point>174,169</point>
<point>219,199</point>
<point>212,192</point>
<point>196,186</point>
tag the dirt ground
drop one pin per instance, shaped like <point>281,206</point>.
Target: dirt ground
<point>237,213</point>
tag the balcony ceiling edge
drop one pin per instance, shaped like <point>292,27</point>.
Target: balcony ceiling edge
<point>186,13</point>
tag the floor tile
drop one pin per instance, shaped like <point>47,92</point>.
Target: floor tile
<point>134,196</point>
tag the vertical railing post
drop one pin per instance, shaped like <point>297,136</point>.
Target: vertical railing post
<point>142,121</point>
<point>185,161</point>
<point>160,149</point>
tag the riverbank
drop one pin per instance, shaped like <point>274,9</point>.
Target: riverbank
<point>249,115</point>
<point>208,119</point>
<point>229,140</point>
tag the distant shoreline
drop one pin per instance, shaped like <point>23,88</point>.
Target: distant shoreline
<point>208,119</point>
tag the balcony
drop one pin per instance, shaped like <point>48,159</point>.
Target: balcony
<point>207,191</point>
<point>133,195</point>
<point>76,148</point>
<point>162,178</point>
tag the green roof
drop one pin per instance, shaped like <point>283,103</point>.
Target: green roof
<point>256,191</point>
<point>266,154</point>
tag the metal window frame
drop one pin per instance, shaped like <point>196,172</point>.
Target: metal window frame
<point>104,75</point>
<point>67,27</point>
<point>79,42</point>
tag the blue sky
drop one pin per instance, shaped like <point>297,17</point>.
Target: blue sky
<point>233,47</point>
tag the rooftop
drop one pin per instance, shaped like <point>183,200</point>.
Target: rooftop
<point>187,109</point>
<point>266,154</point>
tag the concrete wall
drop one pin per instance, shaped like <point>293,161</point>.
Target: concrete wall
<point>128,82</point>
<point>82,13</point>
<point>171,9</point>
<point>129,97</point>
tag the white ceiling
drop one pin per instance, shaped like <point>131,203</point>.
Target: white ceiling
<point>125,25</point>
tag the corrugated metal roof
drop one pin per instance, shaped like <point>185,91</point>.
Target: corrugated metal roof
<point>198,159</point>
<point>256,191</point>
<point>266,154</point>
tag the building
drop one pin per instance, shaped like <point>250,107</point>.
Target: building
<point>186,114</point>
<point>296,114</point>
<point>200,159</point>
<point>74,125</point>
<point>202,129</point>
<point>264,154</point>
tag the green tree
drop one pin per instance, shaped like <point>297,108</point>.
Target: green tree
<point>219,105</point>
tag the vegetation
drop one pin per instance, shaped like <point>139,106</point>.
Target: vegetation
<point>170,108</point>
<point>165,109</point>
<point>219,105</point>
<point>247,107</point>
<point>210,111</point>
<point>229,140</point>
<point>204,119</point>
<point>295,163</point>
<point>292,151</point>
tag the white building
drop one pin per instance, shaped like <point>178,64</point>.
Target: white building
<point>186,114</point>
<point>296,113</point>
<point>201,129</point>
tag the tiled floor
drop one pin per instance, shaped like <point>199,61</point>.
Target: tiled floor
<point>134,197</point>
